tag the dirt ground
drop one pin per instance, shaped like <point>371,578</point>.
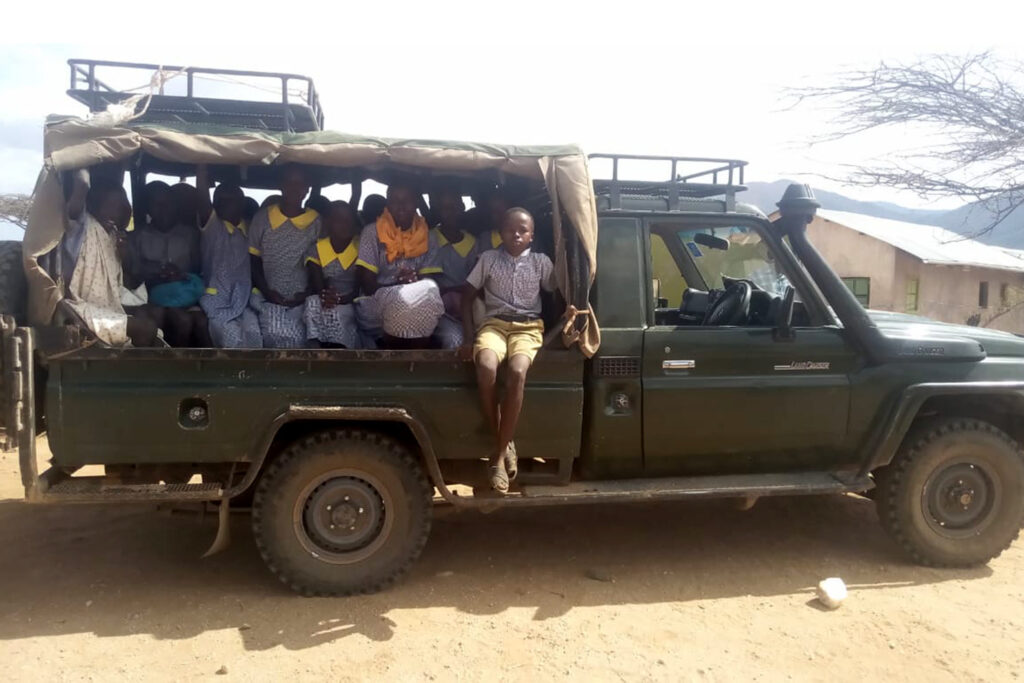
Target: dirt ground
<point>693,591</point>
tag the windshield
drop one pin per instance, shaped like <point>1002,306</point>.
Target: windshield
<point>736,252</point>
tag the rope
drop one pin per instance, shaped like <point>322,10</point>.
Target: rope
<point>569,332</point>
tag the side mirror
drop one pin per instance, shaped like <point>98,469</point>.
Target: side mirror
<point>784,318</point>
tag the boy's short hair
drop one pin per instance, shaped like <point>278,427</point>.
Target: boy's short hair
<point>318,203</point>
<point>514,210</point>
<point>342,205</point>
<point>406,181</point>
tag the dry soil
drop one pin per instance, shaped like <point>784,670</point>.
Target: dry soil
<point>693,591</point>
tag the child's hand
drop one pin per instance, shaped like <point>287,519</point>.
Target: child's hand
<point>329,298</point>
<point>121,245</point>
<point>275,298</point>
<point>465,352</point>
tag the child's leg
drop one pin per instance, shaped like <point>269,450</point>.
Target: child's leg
<point>201,330</point>
<point>512,402</point>
<point>487,379</point>
<point>524,340</point>
<point>179,327</point>
<point>142,331</point>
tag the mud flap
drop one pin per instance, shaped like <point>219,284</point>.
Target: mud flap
<point>223,538</point>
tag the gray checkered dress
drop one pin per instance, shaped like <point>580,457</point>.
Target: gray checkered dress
<point>283,250</point>
<point>335,325</point>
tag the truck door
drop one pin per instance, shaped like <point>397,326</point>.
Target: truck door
<point>735,397</point>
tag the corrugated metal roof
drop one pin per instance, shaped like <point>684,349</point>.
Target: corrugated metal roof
<point>930,243</point>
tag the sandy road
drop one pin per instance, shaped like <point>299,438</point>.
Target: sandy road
<point>695,591</point>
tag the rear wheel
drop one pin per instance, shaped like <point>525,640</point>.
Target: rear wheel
<point>954,495</point>
<point>13,287</point>
<point>342,512</point>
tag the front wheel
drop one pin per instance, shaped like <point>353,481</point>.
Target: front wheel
<point>954,494</point>
<point>342,512</point>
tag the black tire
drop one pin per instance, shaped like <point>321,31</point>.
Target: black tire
<point>316,488</point>
<point>954,494</point>
<point>13,286</point>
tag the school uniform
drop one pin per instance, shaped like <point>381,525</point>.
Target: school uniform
<point>283,244</point>
<point>457,260</point>
<point>512,305</point>
<point>488,241</point>
<point>407,311</point>
<point>227,280</point>
<point>335,325</point>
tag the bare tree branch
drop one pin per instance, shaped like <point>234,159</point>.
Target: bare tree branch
<point>968,104</point>
<point>14,208</point>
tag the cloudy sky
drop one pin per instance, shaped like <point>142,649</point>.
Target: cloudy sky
<point>626,77</point>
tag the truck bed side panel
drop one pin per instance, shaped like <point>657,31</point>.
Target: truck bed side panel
<point>131,406</point>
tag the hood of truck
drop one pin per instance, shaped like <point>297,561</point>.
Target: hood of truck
<point>904,325</point>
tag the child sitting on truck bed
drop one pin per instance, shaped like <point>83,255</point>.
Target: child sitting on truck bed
<point>397,261</point>
<point>457,256</point>
<point>331,264</point>
<point>279,239</point>
<point>511,278</point>
<point>225,265</point>
<point>97,246</point>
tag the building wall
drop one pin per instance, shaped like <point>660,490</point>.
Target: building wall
<point>852,254</point>
<point>951,294</point>
<point>946,293</point>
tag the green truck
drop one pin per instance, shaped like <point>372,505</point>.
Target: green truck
<point>731,361</point>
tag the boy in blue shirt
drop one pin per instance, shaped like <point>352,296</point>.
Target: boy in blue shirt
<point>511,278</point>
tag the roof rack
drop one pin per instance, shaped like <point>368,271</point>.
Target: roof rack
<point>687,177</point>
<point>279,114</point>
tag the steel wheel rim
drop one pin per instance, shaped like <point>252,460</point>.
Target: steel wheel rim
<point>343,516</point>
<point>959,500</point>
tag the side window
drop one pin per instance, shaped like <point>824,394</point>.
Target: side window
<point>707,261</point>
<point>736,253</point>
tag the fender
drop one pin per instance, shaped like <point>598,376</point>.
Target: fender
<point>887,437</point>
<point>296,412</point>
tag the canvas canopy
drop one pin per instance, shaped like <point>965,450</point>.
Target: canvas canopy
<point>75,143</point>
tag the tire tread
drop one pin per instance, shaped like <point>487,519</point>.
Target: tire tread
<point>389,449</point>
<point>893,476</point>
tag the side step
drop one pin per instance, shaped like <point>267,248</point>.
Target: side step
<point>679,488</point>
<point>100,490</point>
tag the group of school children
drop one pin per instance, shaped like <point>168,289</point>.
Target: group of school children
<point>298,274</point>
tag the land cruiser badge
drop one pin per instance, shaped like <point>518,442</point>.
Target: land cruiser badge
<point>804,365</point>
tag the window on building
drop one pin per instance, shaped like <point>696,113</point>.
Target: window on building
<point>912,289</point>
<point>861,288</point>
<point>1004,295</point>
<point>983,295</point>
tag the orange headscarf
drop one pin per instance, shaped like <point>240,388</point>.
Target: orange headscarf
<point>402,243</point>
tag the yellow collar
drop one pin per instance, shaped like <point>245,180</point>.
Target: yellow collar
<point>325,251</point>
<point>495,239</point>
<point>462,247</point>
<point>231,227</point>
<point>301,222</point>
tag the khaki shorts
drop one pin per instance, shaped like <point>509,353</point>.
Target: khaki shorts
<point>509,339</point>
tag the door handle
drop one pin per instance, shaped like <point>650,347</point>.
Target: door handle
<point>678,364</point>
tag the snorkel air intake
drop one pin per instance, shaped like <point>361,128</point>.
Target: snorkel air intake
<point>797,208</point>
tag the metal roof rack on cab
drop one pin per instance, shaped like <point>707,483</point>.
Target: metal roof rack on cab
<point>687,177</point>
<point>280,114</point>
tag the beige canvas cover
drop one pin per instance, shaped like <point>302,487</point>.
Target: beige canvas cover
<point>75,143</point>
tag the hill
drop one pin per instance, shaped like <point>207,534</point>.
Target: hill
<point>969,220</point>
